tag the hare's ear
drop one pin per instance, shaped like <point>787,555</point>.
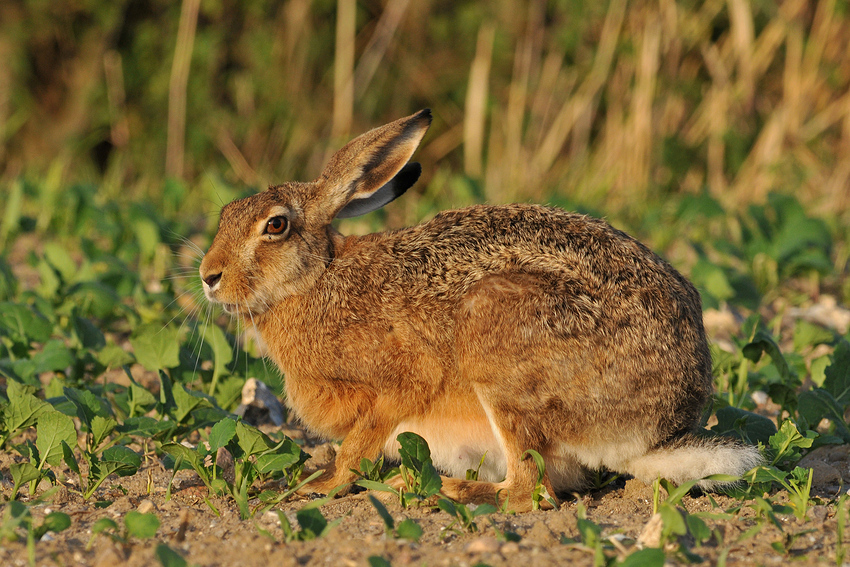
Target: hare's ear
<point>372,170</point>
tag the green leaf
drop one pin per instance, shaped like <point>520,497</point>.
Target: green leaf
<point>156,347</point>
<point>431,481</point>
<point>221,433</point>
<point>312,523</point>
<point>651,557</point>
<point>389,522</point>
<point>762,342</point>
<point>251,440</point>
<point>142,426</point>
<point>698,529</point>
<point>222,350</point>
<point>271,462</point>
<point>168,557</point>
<point>101,427</point>
<point>23,324</point>
<point>88,335</point>
<point>103,524</point>
<point>375,485</point>
<point>54,522</point>
<point>766,474</point>
<point>142,526</point>
<point>22,473</point>
<point>483,510</point>
<point>52,430</point>
<point>749,426</point>
<point>447,506</point>
<point>378,561</point>
<point>837,381</point>
<point>86,405</point>
<point>120,460</point>
<point>188,455</point>
<point>409,530</point>
<point>672,519</point>
<point>414,450</point>
<point>24,409</point>
<point>676,493</point>
<point>817,404</point>
<point>53,356</point>
<point>809,335</point>
<point>113,356</point>
<point>69,458</point>
<point>186,401</point>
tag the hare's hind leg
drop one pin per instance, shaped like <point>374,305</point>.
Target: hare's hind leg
<point>508,354</point>
<point>517,488</point>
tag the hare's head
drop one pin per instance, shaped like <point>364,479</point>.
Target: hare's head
<point>277,243</point>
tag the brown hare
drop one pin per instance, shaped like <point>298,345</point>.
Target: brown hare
<point>490,329</point>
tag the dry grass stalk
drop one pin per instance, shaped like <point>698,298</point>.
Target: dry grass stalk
<point>346,21</point>
<point>476,101</point>
<point>177,88</point>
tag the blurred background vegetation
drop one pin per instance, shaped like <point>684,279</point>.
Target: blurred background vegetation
<point>602,102</point>
<point>654,113</point>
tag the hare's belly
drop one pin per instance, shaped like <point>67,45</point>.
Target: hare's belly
<point>457,444</point>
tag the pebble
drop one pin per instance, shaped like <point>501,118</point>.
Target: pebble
<point>145,506</point>
<point>650,536</point>
<point>483,544</point>
<point>510,548</point>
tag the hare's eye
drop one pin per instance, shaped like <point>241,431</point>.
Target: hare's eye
<point>276,225</point>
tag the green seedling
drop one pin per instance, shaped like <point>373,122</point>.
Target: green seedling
<point>540,493</point>
<point>406,529</point>
<point>590,539</point>
<point>167,557</point>
<point>463,516</point>
<point>311,523</point>
<point>419,476</point>
<point>101,451</point>
<point>798,483</point>
<point>378,561</point>
<point>472,474</point>
<point>254,456</point>
<point>504,534</point>
<point>787,444</point>
<point>136,525</point>
<point>53,430</point>
<point>22,411</point>
<point>17,522</point>
<point>374,471</point>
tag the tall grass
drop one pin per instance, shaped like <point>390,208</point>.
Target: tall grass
<point>616,103</point>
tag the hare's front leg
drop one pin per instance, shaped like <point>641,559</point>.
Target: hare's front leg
<point>365,439</point>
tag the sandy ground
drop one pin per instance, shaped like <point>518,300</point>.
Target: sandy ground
<point>623,509</point>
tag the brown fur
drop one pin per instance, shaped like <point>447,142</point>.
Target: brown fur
<point>520,325</point>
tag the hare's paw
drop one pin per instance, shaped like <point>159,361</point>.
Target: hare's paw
<point>328,483</point>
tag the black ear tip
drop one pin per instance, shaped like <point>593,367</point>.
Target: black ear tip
<point>408,175</point>
<point>424,114</point>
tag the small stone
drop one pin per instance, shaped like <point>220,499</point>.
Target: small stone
<point>483,544</point>
<point>818,513</point>
<point>108,557</point>
<point>510,548</point>
<point>650,536</point>
<point>145,506</point>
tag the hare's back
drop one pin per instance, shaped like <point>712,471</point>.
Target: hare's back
<point>591,278</point>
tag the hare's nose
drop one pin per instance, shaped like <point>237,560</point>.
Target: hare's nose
<point>212,279</point>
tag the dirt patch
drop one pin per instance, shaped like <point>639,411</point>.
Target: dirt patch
<point>622,509</point>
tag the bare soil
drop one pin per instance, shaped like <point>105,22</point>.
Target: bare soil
<point>623,509</point>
